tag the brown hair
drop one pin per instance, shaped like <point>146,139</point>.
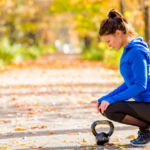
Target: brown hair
<point>115,21</point>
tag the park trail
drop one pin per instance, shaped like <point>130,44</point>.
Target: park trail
<point>50,103</point>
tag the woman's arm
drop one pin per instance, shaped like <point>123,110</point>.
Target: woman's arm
<point>139,68</point>
<point>116,91</point>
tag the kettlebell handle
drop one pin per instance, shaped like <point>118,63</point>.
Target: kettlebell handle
<point>109,123</point>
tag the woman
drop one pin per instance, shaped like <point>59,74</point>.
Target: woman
<point>135,70</point>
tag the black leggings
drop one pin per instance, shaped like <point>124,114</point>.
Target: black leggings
<point>117,111</point>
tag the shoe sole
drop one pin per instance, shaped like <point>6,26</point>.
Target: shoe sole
<point>139,145</point>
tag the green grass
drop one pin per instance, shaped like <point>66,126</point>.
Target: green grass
<point>15,53</point>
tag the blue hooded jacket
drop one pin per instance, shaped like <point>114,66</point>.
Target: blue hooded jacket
<point>135,70</point>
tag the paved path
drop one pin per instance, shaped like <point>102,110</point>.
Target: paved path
<point>48,104</point>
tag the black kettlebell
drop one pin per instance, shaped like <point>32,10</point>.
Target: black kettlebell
<point>102,138</point>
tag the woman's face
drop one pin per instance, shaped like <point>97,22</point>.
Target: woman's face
<point>114,40</point>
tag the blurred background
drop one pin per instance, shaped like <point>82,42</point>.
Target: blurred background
<point>33,28</point>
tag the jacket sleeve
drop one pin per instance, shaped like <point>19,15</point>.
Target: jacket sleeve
<point>139,69</point>
<point>122,87</point>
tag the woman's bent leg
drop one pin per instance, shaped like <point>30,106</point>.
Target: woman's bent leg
<point>126,112</point>
<point>132,113</point>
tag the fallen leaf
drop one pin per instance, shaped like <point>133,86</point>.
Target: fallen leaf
<point>45,107</point>
<point>51,133</point>
<point>120,146</point>
<point>93,101</point>
<point>80,102</point>
<point>34,127</point>
<point>116,140</point>
<point>42,127</point>
<point>16,141</point>
<point>19,129</point>
<point>36,104</point>
<point>84,140</point>
<point>131,137</point>
<point>92,143</point>
<point>30,109</point>
<point>32,133</point>
<point>13,99</point>
<point>109,144</point>
<point>73,133</point>
<point>32,113</point>
<point>40,146</point>
<point>3,121</point>
<point>51,109</point>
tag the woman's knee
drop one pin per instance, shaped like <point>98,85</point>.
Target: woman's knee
<point>109,112</point>
<point>113,113</point>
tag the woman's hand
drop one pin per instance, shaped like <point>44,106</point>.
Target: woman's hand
<point>103,106</point>
<point>98,109</point>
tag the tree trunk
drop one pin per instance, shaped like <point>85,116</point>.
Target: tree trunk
<point>122,6</point>
<point>147,24</point>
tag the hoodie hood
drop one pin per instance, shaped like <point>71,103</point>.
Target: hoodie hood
<point>139,44</point>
